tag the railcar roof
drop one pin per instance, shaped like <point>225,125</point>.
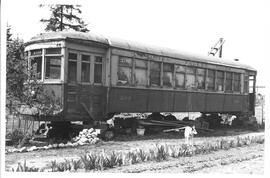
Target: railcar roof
<point>135,46</point>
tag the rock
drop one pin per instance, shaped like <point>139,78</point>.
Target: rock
<point>46,147</point>
<point>33,148</point>
<point>23,149</point>
<point>50,146</point>
<point>69,144</point>
<point>61,145</point>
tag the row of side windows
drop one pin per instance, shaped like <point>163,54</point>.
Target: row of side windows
<point>73,61</point>
<point>138,72</point>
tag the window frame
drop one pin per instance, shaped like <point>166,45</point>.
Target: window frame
<point>98,63</point>
<point>145,68</point>
<point>77,66</point>
<point>180,72</point>
<point>88,63</point>
<point>160,75</point>
<point>60,55</point>
<point>122,65</point>
<point>172,73</point>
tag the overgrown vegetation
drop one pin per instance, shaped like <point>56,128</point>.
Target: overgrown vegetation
<point>102,161</point>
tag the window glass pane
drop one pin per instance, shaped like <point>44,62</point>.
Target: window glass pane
<point>72,71</point>
<point>155,73</point>
<point>72,56</point>
<point>179,80</point>
<point>211,73</point>
<point>98,73</point>
<point>190,82</point>
<point>155,66</point>
<point>236,82</point>
<point>228,84</point>
<point>140,77</point>
<point>246,84</point>
<point>124,61</point>
<point>36,52</point>
<point>53,51</point>
<point>85,76</point>
<point>200,71</point>
<point>86,58</point>
<point>200,78</point>
<point>98,59</point>
<point>201,82</point>
<point>167,79</point>
<point>167,74</point>
<point>220,79</point>
<point>179,68</point>
<point>190,70</point>
<point>141,63</point>
<point>211,80</point>
<point>53,67</point>
<point>36,64</point>
<point>167,67</point>
<point>155,78</point>
<point>124,76</point>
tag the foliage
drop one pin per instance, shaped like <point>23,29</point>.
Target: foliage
<point>16,67</point>
<point>64,17</point>
<point>15,136</point>
<point>161,153</point>
<point>25,168</point>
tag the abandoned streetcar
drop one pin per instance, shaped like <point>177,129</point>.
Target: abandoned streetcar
<point>92,76</point>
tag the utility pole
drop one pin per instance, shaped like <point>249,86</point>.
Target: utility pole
<point>217,48</point>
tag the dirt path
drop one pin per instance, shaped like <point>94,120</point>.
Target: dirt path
<point>246,160</point>
<point>44,157</point>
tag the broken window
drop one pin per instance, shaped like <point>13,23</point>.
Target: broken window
<point>85,75</point>
<point>180,76</point>
<point>200,78</point>
<point>236,82</point>
<point>155,69</point>
<point>228,85</point>
<point>36,65</point>
<point>190,77</point>
<point>220,81</point>
<point>72,67</point>
<point>167,75</point>
<point>98,69</point>
<point>53,67</point>
<point>141,72</point>
<point>211,80</point>
<point>124,71</point>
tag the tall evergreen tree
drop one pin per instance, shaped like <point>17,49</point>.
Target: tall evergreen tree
<point>16,66</point>
<point>64,17</point>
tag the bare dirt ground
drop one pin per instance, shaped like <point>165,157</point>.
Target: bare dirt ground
<point>125,143</point>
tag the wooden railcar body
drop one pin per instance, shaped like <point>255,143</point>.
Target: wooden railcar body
<point>95,90</point>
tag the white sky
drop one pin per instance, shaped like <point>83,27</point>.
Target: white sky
<point>188,25</point>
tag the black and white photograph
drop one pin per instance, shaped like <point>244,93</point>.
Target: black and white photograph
<point>177,87</point>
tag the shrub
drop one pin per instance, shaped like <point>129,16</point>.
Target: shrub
<point>16,136</point>
<point>162,153</point>
<point>90,161</point>
<point>76,164</point>
<point>142,155</point>
<point>25,168</point>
